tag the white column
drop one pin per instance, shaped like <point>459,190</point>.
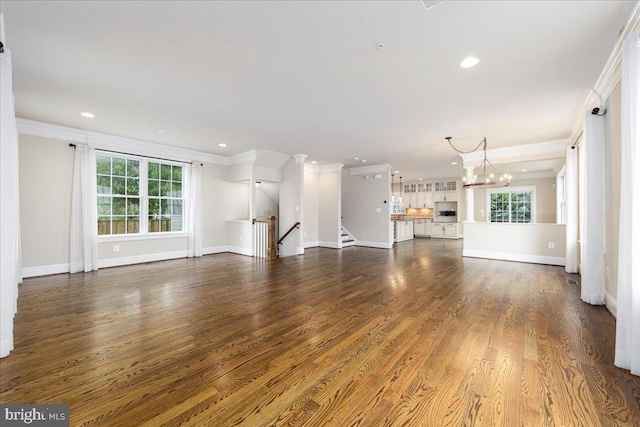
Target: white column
<point>571,210</point>
<point>469,197</point>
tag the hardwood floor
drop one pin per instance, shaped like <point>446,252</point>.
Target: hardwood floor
<point>415,336</point>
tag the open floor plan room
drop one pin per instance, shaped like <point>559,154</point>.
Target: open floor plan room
<point>416,335</point>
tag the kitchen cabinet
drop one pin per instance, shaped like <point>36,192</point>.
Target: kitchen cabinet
<point>402,230</point>
<point>445,191</point>
<point>422,227</point>
<point>450,230</point>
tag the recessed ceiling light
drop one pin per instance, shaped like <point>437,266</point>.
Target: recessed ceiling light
<point>313,162</point>
<point>364,161</point>
<point>454,163</point>
<point>523,170</point>
<point>396,171</point>
<point>469,61</point>
<point>222,144</point>
<point>356,158</point>
<point>87,115</point>
<point>419,179</point>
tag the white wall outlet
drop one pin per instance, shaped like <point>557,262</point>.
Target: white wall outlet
<point>116,248</point>
<point>552,245</point>
<point>378,210</point>
<point>481,212</point>
<point>240,238</point>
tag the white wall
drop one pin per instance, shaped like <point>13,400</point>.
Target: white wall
<point>362,197</point>
<point>291,206</point>
<point>216,192</point>
<point>613,141</point>
<point>311,209</point>
<point>329,208</point>
<point>515,242</point>
<point>46,174</point>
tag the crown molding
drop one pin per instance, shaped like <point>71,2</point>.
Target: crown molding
<point>532,175</point>
<point>47,130</point>
<point>311,168</point>
<point>609,77</point>
<point>519,153</point>
<point>333,167</point>
<point>103,141</point>
<point>300,158</point>
<point>363,170</point>
<point>247,156</point>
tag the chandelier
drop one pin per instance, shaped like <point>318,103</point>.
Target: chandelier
<point>488,179</point>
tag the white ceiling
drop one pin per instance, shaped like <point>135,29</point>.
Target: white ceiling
<point>306,76</point>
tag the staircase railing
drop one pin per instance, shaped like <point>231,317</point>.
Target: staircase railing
<point>293,227</point>
<point>264,237</point>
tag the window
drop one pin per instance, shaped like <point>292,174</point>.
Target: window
<point>118,182</point>
<point>165,197</point>
<point>131,188</point>
<point>515,205</point>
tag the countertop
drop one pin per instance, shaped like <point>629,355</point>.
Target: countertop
<point>398,217</point>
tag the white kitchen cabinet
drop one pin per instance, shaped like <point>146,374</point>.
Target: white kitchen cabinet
<point>422,227</point>
<point>445,191</point>
<point>446,230</point>
<point>403,230</point>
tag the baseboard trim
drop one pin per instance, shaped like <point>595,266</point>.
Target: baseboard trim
<point>332,245</point>
<point>308,245</point>
<point>612,304</point>
<point>533,259</point>
<point>45,270</point>
<point>6,345</point>
<point>379,245</point>
<point>240,251</point>
<point>140,259</point>
<point>214,250</point>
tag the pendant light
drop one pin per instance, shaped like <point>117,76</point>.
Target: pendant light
<point>488,179</point>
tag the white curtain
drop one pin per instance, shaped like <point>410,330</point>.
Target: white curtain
<point>194,220</point>
<point>571,211</point>
<point>592,249</point>
<point>628,311</point>
<point>83,244</point>
<point>10,264</point>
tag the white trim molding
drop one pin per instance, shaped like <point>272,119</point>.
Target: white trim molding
<point>45,270</point>
<point>332,245</point>
<point>333,167</point>
<point>308,245</point>
<point>240,251</point>
<point>363,170</point>
<point>532,259</point>
<point>140,259</point>
<point>611,303</point>
<point>214,250</point>
<point>247,156</point>
<point>116,143</point>
<point>378,245</point>
<point>610,75</point>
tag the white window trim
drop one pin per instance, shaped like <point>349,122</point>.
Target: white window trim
<point>519,189</point>
<point>144,200</point>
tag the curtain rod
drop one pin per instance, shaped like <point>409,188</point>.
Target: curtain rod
<point>148,157</point>
<point>575,144</point>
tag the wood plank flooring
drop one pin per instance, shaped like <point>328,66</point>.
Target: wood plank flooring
<point>415,336</point>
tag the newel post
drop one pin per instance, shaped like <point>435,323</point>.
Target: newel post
<point>271,249</point>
